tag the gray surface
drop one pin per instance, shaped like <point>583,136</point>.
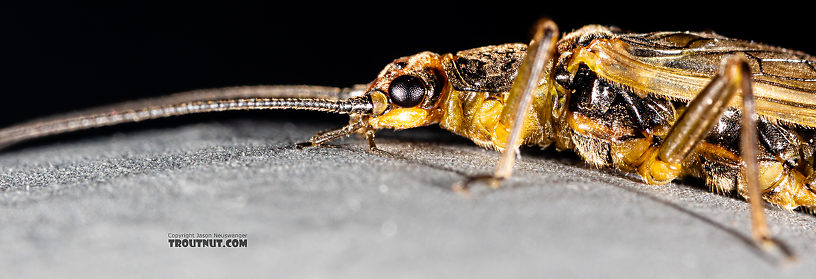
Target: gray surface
<point>103,205</point>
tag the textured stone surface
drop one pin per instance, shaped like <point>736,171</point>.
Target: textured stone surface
<point>102,205</point>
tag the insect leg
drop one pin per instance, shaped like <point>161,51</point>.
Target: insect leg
<point>695,123</point>
<point>326,136</point>
<point>369,135</point>
<point>539,53</point>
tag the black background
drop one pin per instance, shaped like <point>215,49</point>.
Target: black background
<point>60,57</point>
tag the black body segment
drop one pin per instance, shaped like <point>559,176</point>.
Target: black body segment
<point>618,115</point>
<point>486,69</point>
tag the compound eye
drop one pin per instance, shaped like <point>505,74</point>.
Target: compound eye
<point>406,91</point>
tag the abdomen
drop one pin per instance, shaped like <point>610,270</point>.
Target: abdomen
<point>609,125</point>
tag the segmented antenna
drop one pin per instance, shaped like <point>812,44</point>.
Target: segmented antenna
<point>327,99</point>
